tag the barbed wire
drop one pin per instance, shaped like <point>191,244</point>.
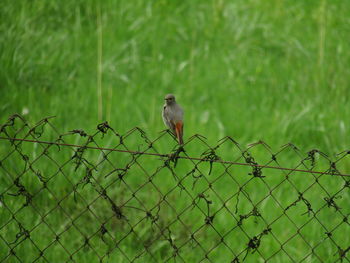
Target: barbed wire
<point>65,196</point>
<point>330,172</point>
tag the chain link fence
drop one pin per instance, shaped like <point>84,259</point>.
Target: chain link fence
<point>110,197</point>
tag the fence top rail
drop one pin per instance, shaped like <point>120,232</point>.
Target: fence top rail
<point>178,157</point>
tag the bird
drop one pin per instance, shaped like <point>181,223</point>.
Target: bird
<point>172,115</point>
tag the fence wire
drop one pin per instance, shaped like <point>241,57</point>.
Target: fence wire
<point>110,197</point>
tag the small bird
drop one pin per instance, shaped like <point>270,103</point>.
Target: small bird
<point>173,117</point>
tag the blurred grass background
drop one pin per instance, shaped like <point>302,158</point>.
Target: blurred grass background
<point>273,70</point>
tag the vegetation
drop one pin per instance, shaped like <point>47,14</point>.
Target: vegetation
<point>254,70</point>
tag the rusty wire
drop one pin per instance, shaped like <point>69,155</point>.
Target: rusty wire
<point>69,196</point>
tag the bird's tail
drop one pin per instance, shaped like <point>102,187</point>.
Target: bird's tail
<point>179,132</point>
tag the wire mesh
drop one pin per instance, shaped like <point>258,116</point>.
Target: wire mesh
<point>105,197</point>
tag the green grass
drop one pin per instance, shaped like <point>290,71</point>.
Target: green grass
<point>271,70</point>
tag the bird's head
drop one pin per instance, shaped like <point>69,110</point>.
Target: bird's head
<point>169,99</point>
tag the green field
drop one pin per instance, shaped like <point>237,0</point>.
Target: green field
<point>275,70</point>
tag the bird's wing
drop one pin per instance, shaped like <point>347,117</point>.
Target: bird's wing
<point>180,112</point>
